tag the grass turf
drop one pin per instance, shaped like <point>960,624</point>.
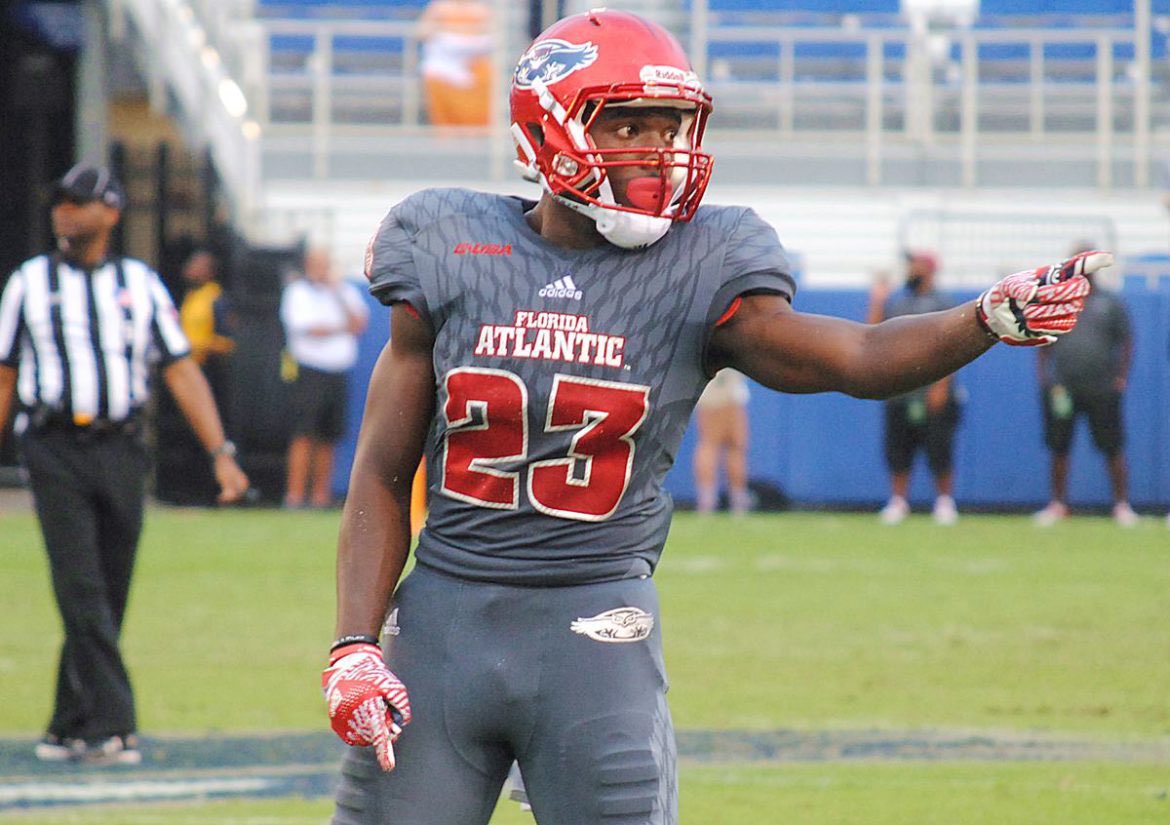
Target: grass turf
<point>817,794</point>
<point>797,620</point>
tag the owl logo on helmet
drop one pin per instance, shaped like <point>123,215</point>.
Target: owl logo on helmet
<point>552,60</point>
<point>583,65</point>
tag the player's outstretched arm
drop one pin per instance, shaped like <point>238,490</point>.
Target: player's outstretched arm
<point>797,352</point>
<point>368,705</point>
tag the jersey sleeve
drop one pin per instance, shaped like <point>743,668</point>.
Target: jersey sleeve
<point>167,332</point>
<point>11,319</point>
<point>755,262</point>
<point>390,263</point>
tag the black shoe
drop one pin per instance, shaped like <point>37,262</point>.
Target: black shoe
<point>115,750</point>
<point>54,748</point>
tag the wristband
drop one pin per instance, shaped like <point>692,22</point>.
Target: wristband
<point>355,639</point>
<point>226,448</point>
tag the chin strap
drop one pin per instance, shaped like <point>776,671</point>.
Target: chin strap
<point>628,230</point>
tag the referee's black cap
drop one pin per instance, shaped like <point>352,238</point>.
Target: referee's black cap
<point>84,183</point>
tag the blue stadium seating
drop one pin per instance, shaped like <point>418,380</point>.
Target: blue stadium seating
<point>346,10</point>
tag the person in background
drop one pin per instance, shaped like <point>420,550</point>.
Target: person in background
<point>80,333</point>
<point>205,318</point>
<point>1086,374</point>
<point>926,418</point>
<point>721,422</point>
<point>323,315</point>
<point>456,62</point>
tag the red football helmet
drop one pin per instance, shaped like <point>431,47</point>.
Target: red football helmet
<point>572,71</point>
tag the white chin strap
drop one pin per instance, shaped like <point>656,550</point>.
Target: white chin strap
<point>629,230</point>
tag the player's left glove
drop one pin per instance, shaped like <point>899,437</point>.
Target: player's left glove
<point>367,703</point>
<point>1033,307</point>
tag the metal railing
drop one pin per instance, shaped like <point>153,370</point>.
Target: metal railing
<point>181,61</point>
<point>880,88</point>
<point>892,86</point>
<point>876,93</point>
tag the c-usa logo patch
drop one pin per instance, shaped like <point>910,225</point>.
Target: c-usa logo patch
<point>617,626</point>
<point>550,61</point>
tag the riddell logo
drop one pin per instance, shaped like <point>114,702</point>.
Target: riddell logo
<point>468,248</point>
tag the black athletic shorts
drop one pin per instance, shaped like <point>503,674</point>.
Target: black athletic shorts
<point>906,433</point>
<point>1102,409</point>
<point>318,404</point>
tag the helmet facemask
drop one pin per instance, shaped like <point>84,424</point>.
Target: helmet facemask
<point>571,167</point>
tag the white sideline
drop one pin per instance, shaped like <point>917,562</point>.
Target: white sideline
<point>105,791</point>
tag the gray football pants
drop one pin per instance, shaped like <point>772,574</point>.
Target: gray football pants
<point>497,673</point>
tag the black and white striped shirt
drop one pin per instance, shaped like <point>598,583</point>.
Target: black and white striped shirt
<point>84,342</point>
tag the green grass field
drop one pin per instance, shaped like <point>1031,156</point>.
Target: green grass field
<point>802,621</point>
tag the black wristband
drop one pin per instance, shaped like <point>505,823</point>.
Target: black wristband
<point>353,640</point>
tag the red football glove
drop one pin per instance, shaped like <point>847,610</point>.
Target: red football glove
<point>1033,307</point>
<point>368,704</point>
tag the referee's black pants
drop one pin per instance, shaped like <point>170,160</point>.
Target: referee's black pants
<point>89,494</point>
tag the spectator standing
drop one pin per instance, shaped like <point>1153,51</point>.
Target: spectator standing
<point>549,374</point>
<point>323,315</point>
<point>80,331</point>
<point>924,419</point>
<point>1087,375</point>
<point>721,422</point>
<point>456,61</point>
<point>207,321</point>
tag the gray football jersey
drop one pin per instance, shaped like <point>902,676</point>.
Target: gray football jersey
<point>565,378</point>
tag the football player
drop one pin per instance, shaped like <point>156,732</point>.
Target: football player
<point>546,357</point>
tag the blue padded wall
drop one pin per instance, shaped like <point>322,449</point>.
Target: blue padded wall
<point>826,450</point>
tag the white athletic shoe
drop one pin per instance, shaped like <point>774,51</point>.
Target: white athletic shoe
<point>1054,512</point>
<point>895,511</point>
<point>945,512</point>
<point>55,749</point>
<point>116,750</point>
<point>1124,515</point>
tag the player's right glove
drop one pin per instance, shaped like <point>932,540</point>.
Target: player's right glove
<point>1033,307</point>
<point>367,703</point>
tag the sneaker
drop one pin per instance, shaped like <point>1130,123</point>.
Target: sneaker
<point>945,512</point>
<point>116,750</point>
<point>1054,512</point>
<point>740,502</point>
<point>1124,515</point>
<point>895,511</point>
<point>53,748</point>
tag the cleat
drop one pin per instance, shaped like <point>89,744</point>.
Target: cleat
<point>895,511</point>
<point>1054,512</point>
<point>1124,515</point>
<point>945,512</point>
<point>53,748</point>
<point>116,750</point>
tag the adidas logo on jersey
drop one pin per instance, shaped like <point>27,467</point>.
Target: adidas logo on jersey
<point>561,288</point>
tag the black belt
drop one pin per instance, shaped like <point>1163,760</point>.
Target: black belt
<point>46,420</point>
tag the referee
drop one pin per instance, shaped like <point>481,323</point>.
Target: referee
<point>80,332</point>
